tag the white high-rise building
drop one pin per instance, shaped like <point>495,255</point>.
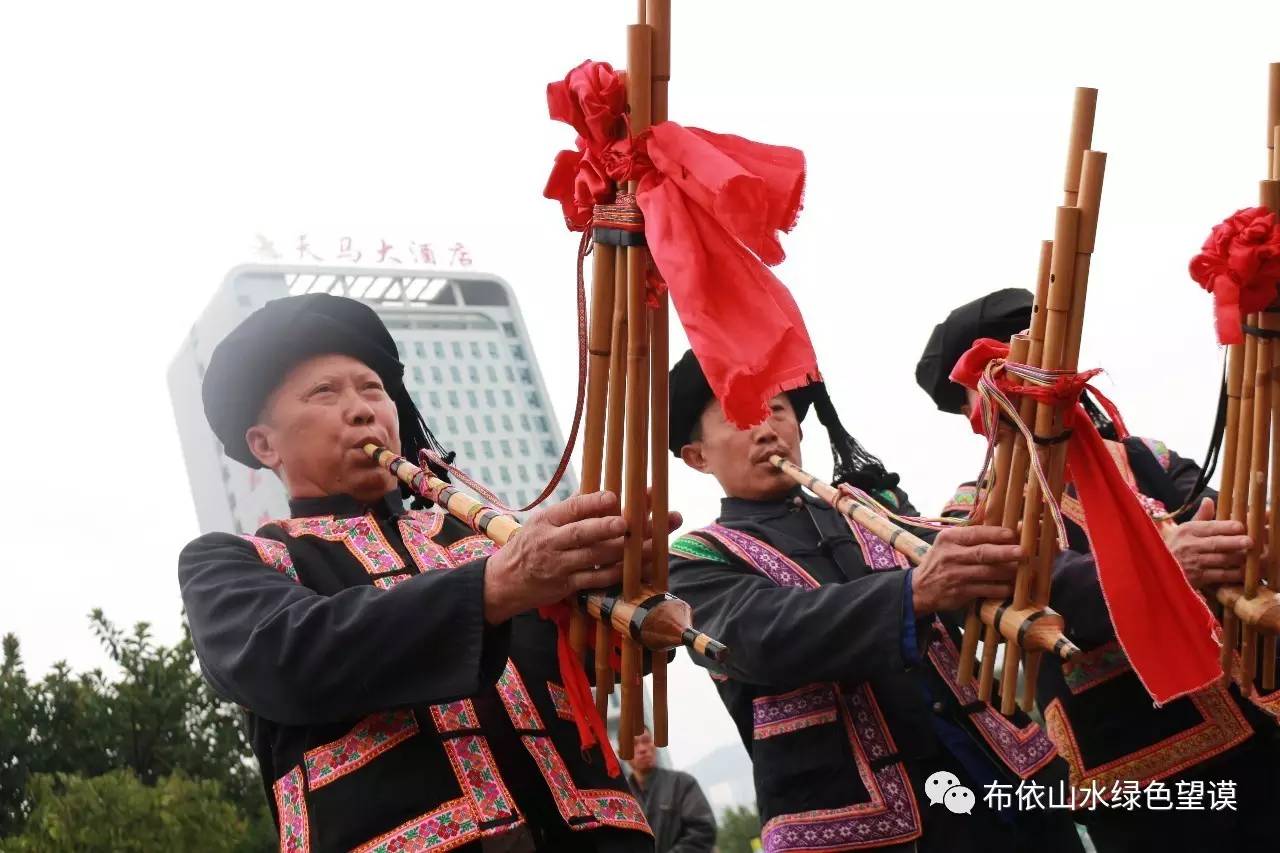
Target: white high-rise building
<point>469,367</point>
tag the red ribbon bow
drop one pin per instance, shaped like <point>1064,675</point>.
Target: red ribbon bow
<point>1240,265</point>
<point>1161,622</point>
<point>713,205</point>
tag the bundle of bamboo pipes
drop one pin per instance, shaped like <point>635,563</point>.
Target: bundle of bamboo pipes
<point>626,412</point>
<point>1248,463</point>
<point>1015,498</point>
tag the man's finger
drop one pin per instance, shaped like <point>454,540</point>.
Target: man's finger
<point>990,572</point>
<point>585,533</point>
<point>986,554</point>
<point>1219,544</point>
<point>1216,577</point>
<point>999,591</point>
<point>976,535</point>
<point>579,507</point>
<point>1212,528</point>
<point>1219,561</point>
<point>600,578</point>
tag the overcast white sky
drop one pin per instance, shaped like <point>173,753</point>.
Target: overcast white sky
<point>146,143</point>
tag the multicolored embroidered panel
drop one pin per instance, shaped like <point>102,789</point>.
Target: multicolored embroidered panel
<point>455,716</point>
<point>450,826</point>
<point>614,808</point>
<point>1268,702</point>
<point>291,803</point>
<point>371,737</point>
<point>471,548</point>
<point>771,563</point>
<point>388,581</point>
<point>879,554</point>
<point>790,712</point>
<point>557,778</point>
<point>524,716</point>
<point>1095,667</point>
<point>963,501</point>
<point>1023,750</point>
<point>418,530</point>
<point>1222,727</point>
<point>361,535</point>
<point>1160,451</point>
<point>477,772</point>
<point>560,700</point>
<point>274,554</point>
<point>693,548</point>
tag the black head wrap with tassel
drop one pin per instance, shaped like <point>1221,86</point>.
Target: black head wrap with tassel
<point>250,363</point>
<point>690,394</point>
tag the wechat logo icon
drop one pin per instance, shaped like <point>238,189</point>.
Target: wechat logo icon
<point>943,787</point>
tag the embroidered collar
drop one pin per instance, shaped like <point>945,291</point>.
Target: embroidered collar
<point>345,506</point>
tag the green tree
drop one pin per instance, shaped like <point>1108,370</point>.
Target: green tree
<point>154,717</point>
<point>738,827</point>
<point>117,813</point>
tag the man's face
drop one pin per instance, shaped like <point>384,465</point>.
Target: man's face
<point>645,756</point>
<point>315,423</point>
<point>739,458</point>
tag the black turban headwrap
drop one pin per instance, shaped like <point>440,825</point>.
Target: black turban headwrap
<point>251,362</point>
<point>690,395</point>
<point>998,315</point>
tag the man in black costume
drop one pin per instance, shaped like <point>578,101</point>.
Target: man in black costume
<point>401,695</point>
<point>1096,710</point>
<point>842,680</point>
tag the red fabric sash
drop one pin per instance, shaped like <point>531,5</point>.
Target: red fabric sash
<point>713,205</point>
<point>591,729</point>
<point>1163,624</point>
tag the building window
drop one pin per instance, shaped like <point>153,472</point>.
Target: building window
<point>471,423</point>
<point>435,399</point>
<point>488,423</point>
<point>438,348</point>
<point>526,376</point>
<point>453,399</point>
<point>548,448</point>
<point>469,449</point>
<point>493,374</point>
<point>509,329</point>
<point>457,349</point>
<point>508,398</point>
<point>488,475</point>
<point>400,348</point>
<point>524,450</point>
<point>506,423</point>
<point>473,399</point>
<point>455,373</point>
<point>473,373</point>
<point>524,472</point>
<point>506,447</point>
<point>490,398</point>
<point>420,348</point>
<point>542,471</point>
<point>543,425</point>
<point>493,350</point>
<point>488,448</point>
<point>417,398</point>
<point>532,398</point>
<point>524,423</point>
<point>453,424</point>
<point>475,349</point>
<point>511,374</point>
<point>504,474</point>
<point>563,494</point>
<point>436,376</point>
<point>431,425</point>
<point>417,374</point>
<point>518,352</point>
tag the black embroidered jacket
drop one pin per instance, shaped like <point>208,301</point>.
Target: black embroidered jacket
<point>385,714</point>
<point>843,720</point>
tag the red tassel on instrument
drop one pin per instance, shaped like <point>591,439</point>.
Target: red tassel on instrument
<point>591,729</point>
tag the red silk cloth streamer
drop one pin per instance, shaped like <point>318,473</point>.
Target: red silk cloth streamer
<point>713,205</point>
<point>1240,265</point>
<point>1164,626</point>
<point>591,729</point>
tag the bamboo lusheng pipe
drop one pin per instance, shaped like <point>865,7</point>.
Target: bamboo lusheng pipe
<point>659,19</point>
<point>1088,202</point>
<point>1258,469</point>
<point>599,352</point>
<point>648,616</point>
<point>1083,112</point>
<point>992,513</point>
<point>635,470</point>
<point>1047,425</point>
<point>615,429</point>
<point>1273,118</point>
<point>1261,610</point>
<point>1272,569</point>
<point>1240,479</point>
<point>907,544</point>
<point>1039,628</point>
